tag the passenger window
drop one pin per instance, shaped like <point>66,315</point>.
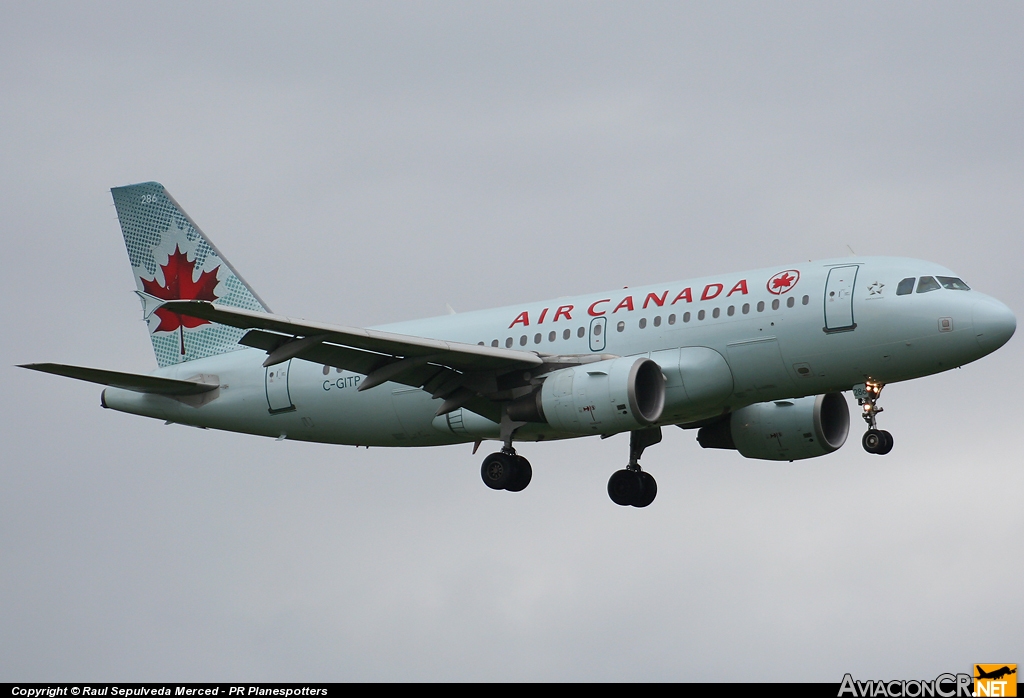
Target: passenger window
<point>537,338</point>
<point>567,334</point>
<point>927,283</point>
<point>494,343</point>
<point>806,300</point>
<point>716,312</point>
<point>686,317</point>
<point>732,310</point>
<point>760,306</point>
<point>906,286</point>
<point>508,343</point>
<point>551,336</point>
<point>581,332</point>
<point>643,322</point>
<point>657,321</point>
<point>700,315</point>
<point>775,304</point>
<point>746,308</point>
<point>672,319</point>
<point>522,341</point>
<point>790,302</point>
<point>621,326</point>
<point>327,369</point>
<point>953,283</point>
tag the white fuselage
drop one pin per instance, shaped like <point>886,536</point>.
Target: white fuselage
<point>783,332</point>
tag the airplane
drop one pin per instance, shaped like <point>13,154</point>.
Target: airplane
<point>996,674</point>
<point>755,361</point>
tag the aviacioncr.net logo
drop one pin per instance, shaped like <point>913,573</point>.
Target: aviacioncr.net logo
<point>943,686</point>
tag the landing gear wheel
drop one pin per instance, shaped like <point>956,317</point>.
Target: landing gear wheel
<point>872,441</point>
<point>624,487</point>
<point>648,490</point>
<point>887,445</point>
<point>498,470</point>
<point>523,475</point>
<point>877,441</point>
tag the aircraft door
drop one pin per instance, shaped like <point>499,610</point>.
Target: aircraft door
<point>278,397</point>
<point>598,332</point>
<point>839,299</point>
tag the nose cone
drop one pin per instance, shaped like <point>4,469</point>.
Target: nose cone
<point>994,323</point>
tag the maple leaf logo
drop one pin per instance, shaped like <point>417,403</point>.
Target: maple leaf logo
<point>180,286</point>
<point>783,281</point>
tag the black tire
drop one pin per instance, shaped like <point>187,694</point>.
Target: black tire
<point>624,487</point>
<point>886,443</point>
<point>523,475</point>
<point>498,470</point>
<point>873,441</point>
<point>648,490</point>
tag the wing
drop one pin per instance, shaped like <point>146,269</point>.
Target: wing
<point>462,374</point>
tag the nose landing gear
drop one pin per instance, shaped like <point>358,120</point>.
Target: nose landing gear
<point>632,486</point>
<point>877,441</point>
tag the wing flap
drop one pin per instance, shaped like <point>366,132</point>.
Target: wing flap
<point>354,360</point>
<point>327,354</point>
<point>128,381</point>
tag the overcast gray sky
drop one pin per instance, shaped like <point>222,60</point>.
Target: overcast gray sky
<point>362,163</point>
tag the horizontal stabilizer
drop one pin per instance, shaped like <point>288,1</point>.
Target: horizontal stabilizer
<point>128,381</point>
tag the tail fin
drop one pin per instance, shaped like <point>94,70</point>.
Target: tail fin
<point>173,260</point>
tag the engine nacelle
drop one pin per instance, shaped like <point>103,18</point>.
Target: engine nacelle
<point>605,397</point>
<point>783,429</point>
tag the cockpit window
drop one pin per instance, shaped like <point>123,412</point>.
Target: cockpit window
<point>953,283</point>
<point>906,286</point>
<point>927,283</point>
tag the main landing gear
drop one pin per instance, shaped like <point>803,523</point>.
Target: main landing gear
<point>877,441</point>
<point>632,486</point>
<point>506,470</point>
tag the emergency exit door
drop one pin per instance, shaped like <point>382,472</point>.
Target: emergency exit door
<point>278,397</point>
<point>839,299</point>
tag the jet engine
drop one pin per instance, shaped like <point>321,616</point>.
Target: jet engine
<point>783,429</point>
<point>605,397</point>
